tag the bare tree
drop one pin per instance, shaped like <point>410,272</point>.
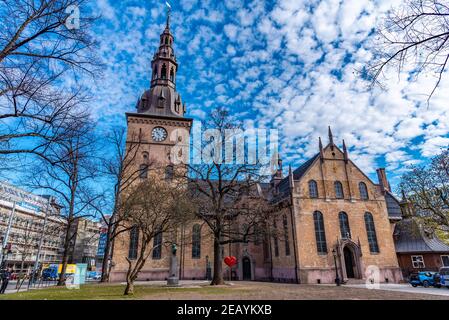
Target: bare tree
<point>42,44</point>
<point>70,179</point>
<point>414,36</point>
<point>427,190</point>
<point>26,246</point>
<point>29,240</point>
<point>228,195</point>
<point>120,168</point>
<point>154,207</point>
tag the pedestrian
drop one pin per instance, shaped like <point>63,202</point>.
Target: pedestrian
<point>5,276</point>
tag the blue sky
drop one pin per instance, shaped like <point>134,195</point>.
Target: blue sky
<point>287,64</point>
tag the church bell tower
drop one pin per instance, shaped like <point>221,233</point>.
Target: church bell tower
<point>159,121</point>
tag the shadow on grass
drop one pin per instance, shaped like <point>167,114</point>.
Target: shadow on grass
<point>111,292</point>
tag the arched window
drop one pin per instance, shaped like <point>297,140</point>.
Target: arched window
<point>196,242</point>
<point>169,172</point>
<point>320,233</point>
<point>143,171</point>
<point>345,230</point>
<point>371,232</point>
<point>172,75</point>
<point>155,72</point>
<point>133,243</point>
<point>157,246</point>
<point>313,189</point>
<point>286,239</point>
<point>339,190</point>
<point>363,191</point>
<point>257,235</point>
<point>276,239</point>
<point>164,72</point>
<point>166,40</point>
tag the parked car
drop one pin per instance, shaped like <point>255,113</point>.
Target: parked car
<point>425,279</point>
<point>444,276</point>
<point>93,275</point>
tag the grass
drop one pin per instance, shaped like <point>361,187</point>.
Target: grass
<point>113,292</point>
<point>238,291</point>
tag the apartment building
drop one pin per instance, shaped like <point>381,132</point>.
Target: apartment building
<point>25,219</point>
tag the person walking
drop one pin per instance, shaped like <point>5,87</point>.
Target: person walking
<point>5,276</point>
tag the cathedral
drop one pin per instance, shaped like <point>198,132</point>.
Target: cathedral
<point>336,221</point>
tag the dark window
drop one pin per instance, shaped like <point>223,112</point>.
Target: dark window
<point>196,242</point>
<point>313,189</point>
<point>172,75</point>
<point>155,73</point>
<point>169,172</point>
<point>445,260</point>
<point>287,241</point>
<point>164,71</point>
<point>133,243</point>
<point>166,40</point>
<point>276,240</point>
<point>320,233</point>
<point>363,191</point>
<point>257,234</point>
<point>266,248</point>
<point>143,172</point>
<point>339,190</point>
<point>157,246</point>
<point>371,232</point>
<point>344,225</point>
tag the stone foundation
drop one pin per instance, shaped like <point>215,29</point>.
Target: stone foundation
<point>327,276</point>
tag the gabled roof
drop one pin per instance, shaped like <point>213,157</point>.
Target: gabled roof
<point>298,173</point>
<point>284,184</point>
<point>411,238</point>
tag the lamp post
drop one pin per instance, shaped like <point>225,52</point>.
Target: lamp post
<point>337,278</point>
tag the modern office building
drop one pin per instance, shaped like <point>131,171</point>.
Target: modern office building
<point>25,219</point>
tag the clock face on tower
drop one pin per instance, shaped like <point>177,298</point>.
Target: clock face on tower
<point>159,134</point>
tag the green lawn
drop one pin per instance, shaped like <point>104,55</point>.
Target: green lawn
<point>111,292</point>
<point>236,291</point>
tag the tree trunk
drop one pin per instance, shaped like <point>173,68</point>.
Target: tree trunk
<point>218,267</point>
<point>21,274</point>
<point>61,280</point>
<point>106,256</point>
<point>129,290</point>
<point>65,256</point>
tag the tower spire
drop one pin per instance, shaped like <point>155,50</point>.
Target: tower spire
<point>168,14</point>
<point>331,136</point>
<point>321,150</point>
<point>345,151</point>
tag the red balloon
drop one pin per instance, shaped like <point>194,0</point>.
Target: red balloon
<point>230,261</point>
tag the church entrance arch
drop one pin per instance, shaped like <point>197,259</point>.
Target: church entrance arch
<point>246,268</point>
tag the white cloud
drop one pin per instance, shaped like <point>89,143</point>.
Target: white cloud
<point>291,65</point>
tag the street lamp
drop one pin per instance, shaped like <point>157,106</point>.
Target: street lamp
<point>337,278</point>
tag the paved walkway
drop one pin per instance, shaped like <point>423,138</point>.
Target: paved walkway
<point>385,287</point>
<point>407,288</point>
<point>12,286</point>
